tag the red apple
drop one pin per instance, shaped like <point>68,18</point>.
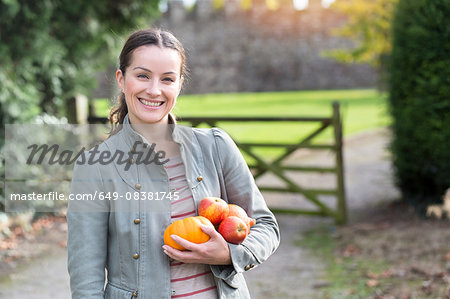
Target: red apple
<point>213,208</point>
<point>233,229</point>
<point>235,210</point>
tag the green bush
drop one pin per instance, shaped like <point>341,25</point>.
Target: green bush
<point>420,99</point>
<point>50,51</point>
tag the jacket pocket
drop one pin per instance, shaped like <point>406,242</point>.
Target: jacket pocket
<point>114,292</point>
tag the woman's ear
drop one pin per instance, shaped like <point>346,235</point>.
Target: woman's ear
<point>120,78</point>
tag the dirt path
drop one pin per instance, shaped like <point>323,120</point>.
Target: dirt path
<point>45,278</point>
<point>291,272</point>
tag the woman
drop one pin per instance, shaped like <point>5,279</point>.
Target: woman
<point>121,228</point>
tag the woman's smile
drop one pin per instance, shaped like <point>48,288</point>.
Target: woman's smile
<point>151,104</point>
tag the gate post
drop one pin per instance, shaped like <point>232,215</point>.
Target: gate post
<point>337,126</point>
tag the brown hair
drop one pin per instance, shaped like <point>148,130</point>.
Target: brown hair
<point>147,37</point>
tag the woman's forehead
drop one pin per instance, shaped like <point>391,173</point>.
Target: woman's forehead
<point>157,56</point>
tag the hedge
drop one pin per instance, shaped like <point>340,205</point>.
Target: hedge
<point>420,100</point>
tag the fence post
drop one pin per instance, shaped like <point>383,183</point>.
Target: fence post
<point>77,109</point>
<point>337,126</point>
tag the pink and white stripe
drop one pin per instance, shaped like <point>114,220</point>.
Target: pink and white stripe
<point>192,281</point>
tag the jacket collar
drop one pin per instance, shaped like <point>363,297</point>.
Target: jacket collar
<point>128,140</point>
<point>178,133</point>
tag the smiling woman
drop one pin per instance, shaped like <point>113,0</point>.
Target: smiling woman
<point>125,235</point>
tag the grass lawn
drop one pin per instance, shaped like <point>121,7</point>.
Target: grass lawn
<point>361,109</point>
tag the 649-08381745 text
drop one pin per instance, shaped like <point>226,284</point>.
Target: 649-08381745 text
<point>54,195</point>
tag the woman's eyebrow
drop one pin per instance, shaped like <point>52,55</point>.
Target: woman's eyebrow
<point>147,70</point>
<point>142,68</point>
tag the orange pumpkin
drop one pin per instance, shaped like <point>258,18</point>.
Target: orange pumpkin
<point>188,229</point>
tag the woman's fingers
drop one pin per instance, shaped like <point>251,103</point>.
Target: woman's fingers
<point>210,231</point>
<point>175,253</point>
<point>214,251</point>
<point>188,256</point>
<point>183,242</point>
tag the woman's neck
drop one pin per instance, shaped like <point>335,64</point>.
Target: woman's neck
<point>153,132</point>
<point>159,134</point>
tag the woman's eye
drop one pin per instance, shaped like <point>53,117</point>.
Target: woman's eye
<point>168,80</point>
<point>143,76</point>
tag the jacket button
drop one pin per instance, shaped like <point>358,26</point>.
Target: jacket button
<point>199,178</point>
<point>137,221</point>
<point>134,294</point>
<point>252,265</point>
<point>138,186</point>
<point>131,160</point>
<point>136,256</point>
<point>247,268</point>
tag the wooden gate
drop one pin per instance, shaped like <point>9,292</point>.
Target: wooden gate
<point>275,167</point>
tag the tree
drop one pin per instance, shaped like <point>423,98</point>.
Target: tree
<point>420,100</point>
<point>369,26</point>
<point>51,50</point>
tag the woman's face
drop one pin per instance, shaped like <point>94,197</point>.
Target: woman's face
<point>151,84</point>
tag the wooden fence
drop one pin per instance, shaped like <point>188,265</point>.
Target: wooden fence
<point>260,167</point>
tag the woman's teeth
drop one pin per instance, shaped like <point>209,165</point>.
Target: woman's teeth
<point>152,104</point>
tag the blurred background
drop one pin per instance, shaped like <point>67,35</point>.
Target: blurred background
<point>387,64</point>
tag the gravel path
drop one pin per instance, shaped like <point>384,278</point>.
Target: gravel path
<point>291,272</point>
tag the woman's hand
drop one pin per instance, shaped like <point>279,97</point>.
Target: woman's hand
<point>214,252</point>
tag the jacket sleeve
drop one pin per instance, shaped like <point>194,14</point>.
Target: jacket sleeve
<point>87,221</point>
<point>241,189</point>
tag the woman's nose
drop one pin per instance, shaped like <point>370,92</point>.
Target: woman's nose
<point>153,89</point>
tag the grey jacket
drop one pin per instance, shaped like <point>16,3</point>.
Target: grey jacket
<point>113,231</point>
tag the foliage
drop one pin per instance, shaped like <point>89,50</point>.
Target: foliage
<point>247,4</point>
<point>51,50</point>
<point>420,99</point>
<point>369,26</point>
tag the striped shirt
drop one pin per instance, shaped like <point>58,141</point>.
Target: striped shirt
<point>187,280</point>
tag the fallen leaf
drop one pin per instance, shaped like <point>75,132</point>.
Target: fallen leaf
<point>8,259</point>
<point>386,273</point>
<point>350,250</point>
<point>8,244</point>
<point>372,275</point>
<point>447,256</point>
<point>372,283</point>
